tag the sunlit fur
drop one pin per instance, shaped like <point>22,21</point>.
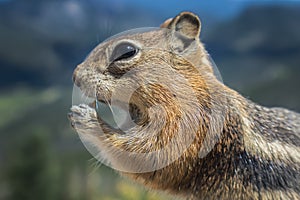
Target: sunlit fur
<point>252,152</point>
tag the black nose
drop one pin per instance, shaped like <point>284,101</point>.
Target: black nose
<point>75,78</point>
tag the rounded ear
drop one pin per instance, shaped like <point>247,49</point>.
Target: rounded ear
<point>166,23</point>
<point>186,23</point>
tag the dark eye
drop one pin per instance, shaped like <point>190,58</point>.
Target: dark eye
<point>123,51</point>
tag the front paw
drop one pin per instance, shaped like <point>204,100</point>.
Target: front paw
<point>84,119</point>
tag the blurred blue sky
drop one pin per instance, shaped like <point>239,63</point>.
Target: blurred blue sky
<point>218,8</point>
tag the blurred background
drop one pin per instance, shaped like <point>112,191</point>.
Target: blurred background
<point>255,45</point>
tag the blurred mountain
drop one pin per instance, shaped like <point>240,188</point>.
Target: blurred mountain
<point>42,41</point>
<point>260,38</point>
<point>254,50</point>
<point>258,54</point>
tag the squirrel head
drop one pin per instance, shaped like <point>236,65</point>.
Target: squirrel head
<point>140,49</point>
<point>164,77</point>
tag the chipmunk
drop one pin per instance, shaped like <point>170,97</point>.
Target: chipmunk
<point>223,146</point>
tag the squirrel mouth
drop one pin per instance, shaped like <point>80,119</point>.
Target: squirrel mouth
<point>121,116</point>
<point>115,113</point>
<point>114,116</point>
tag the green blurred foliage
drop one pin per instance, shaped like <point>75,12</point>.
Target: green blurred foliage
<point>32,171</point>
<point>45,158</point>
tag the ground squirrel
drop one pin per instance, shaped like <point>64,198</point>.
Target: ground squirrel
<point>216,144</point>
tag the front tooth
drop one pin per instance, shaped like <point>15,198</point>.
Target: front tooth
<point>104,112</point>
<point>112,115</point>
<point>97,105</point>
<point>88,100</point>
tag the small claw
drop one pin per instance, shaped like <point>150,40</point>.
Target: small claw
<point>70,115</point>
<point>72,124</point>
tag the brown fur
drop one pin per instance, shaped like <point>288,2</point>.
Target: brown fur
<point>256,149</point>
